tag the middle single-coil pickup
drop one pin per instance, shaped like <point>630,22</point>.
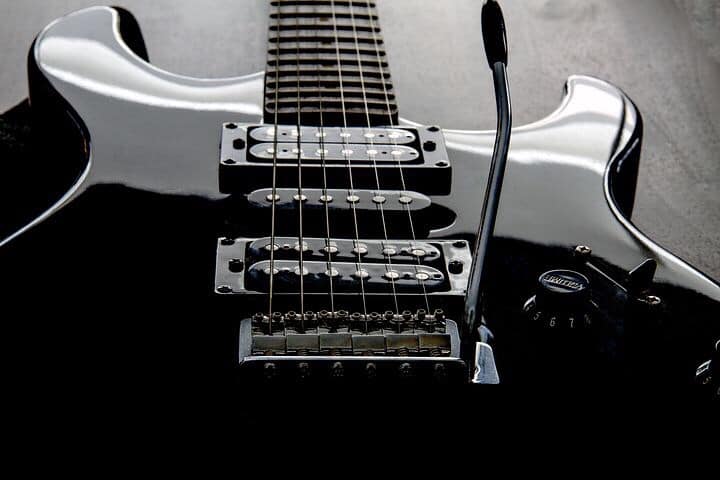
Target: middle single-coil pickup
<point>337,250</point>
<point>311,198</point>
<point>346,277</point>
<point>332,153</point>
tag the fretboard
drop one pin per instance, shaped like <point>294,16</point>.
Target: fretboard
<point>327,62</point>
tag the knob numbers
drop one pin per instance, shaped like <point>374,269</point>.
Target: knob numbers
<point>562,302</point>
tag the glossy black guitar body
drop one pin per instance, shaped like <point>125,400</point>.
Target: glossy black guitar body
<point>114,285</point>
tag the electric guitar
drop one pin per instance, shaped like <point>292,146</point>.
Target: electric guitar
<point>291,227</point>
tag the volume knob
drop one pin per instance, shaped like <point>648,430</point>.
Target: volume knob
<point>562,301</point>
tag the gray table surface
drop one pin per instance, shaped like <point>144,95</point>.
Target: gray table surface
<point>665,54</point>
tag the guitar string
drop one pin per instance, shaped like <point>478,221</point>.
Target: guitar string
<point>346,148</point>
<point>326,199</point>
<point>274,171</point>
<point>413,246</point>
<point>300,196</point>
<point>373,157</point>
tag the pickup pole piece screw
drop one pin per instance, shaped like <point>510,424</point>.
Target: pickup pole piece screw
<point>652,300</point>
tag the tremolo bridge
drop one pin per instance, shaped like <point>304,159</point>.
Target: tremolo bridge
<point>406,159</point>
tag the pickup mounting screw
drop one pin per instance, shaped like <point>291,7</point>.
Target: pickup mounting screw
<point>429,146</point>
<point>652,300</point>
<point>455,267</point>
<point>227,241</point>
<point>224,289</point>
<point>583,250</point>
<point>236,265</point>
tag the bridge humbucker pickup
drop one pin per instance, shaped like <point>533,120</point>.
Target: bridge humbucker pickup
<point>390,267</point>
<point>406,159</point>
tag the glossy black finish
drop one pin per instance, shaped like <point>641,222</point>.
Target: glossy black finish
<point>114,281</point>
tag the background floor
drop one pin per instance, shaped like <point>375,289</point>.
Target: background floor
<point>665,54</point>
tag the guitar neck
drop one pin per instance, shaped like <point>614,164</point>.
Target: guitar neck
<point>327,65</point>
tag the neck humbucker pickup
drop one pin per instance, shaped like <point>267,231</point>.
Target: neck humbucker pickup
<point>407,159</point>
